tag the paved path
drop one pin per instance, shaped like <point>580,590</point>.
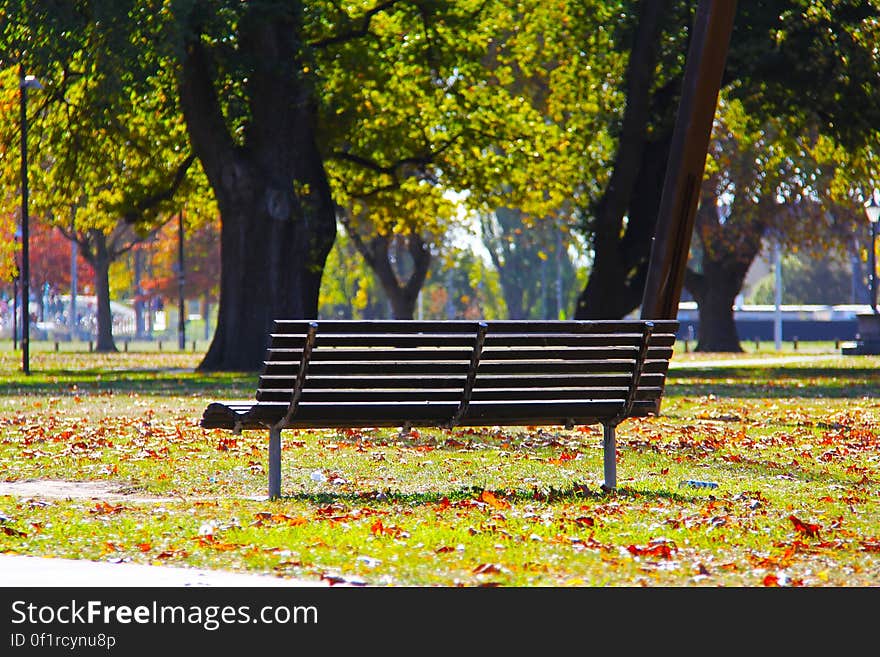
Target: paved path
<point>25,571</point>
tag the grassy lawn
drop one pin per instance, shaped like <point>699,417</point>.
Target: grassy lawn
<point>794,449</point>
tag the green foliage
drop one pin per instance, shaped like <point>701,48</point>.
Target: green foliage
<point>811,62</point>
<point>533,257</point>
<point>348,288</point>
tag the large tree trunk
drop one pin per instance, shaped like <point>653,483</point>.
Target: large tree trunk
<point>278,218</point>
<point>100,262</point>
<point>271,270</point>
<point>728,249</point>
<point>619,269</point>
<point>715,293</point>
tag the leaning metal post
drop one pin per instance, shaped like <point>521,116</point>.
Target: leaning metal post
<point>274,463</point>
<point>609,454</point>
<point>713,25</point>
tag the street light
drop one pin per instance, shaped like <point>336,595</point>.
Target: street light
<point>181,318</point>
<point>873,212</point>
<point>25,82</point>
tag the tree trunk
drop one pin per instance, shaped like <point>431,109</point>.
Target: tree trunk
<point>277,215</point>
<point>620,267</point>
<point>101,264</point>
<point>619,271</point>
<point>402,296</point>
<point>271,270</point>
<point>715,293</point>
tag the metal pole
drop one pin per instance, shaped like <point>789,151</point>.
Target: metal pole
<point>74,282</point>
<point>874,266</point>
<point>609,457</point>
<point>777,320</point>
<point>25,255</point>
<point>181,319</point>
<point>15,313</point>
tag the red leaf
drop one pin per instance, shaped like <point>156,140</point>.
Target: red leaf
<point>771,580</point>
<point>9,531</point>
<point>870,545</point>
<point>486,568</point>
<point>663,550</point>
<point>805,528</point>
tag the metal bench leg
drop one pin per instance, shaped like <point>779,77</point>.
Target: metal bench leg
<point>609,447</point>
<point>274,463</point>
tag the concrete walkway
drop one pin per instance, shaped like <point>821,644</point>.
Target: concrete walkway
<point>745,362</point>
<point>25,571</point>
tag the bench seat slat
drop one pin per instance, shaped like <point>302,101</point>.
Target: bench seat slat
<point>341,395</point>
<point>484,381</point>
<point>482,413</point>
<point>488,353</point>
<point>300,326</point>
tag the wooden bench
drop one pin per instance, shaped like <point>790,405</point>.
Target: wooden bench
<point>335,373</point>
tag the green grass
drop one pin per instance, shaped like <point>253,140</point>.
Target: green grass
<point>794,449</point>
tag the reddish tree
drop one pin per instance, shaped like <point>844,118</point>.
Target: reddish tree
<point>201,263</point>
<point>49,257</point>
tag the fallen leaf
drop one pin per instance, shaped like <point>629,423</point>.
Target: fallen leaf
<point>487,568</point>
<point>493,500</point>
<point>805,528</point>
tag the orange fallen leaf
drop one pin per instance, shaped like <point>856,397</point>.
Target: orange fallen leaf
<point>805,528</point>
<point>663,550</point>
<point>493,500</point>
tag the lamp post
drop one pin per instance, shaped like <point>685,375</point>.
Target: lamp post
<point>25,82</point>
<point>873,212</point>
<point>181,304</point>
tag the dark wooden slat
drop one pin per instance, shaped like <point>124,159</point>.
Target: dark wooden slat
<point>574,339</point>
<point>364,395</point>
<point>521,394</point>
<point>470,326</point>
<point>484,380</point>
<point>412,340</point>
<point>554,367</point>
<point>572,353</point>
<point>352,381</point>
<point>433,353</point>
<point>341,395</point>
<point>385,368</point>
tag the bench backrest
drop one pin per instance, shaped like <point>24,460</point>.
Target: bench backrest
<point>388,373</point>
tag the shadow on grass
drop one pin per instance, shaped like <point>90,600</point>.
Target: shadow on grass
<point>471,496</point>
<point>162,382</point>
<point>776,382</point>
